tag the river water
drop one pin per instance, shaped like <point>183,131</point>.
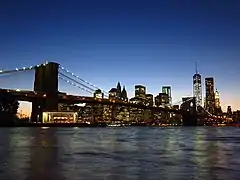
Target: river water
<point>120,153</point>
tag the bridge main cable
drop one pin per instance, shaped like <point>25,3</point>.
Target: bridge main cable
<point>17,70</point>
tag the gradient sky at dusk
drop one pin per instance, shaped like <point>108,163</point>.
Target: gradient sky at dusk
<point>153,43</point>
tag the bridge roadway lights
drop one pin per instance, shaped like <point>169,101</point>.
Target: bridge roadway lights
<point>46,81</point>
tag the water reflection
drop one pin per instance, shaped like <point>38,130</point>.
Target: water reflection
<point>120,153</point>
<point>44,148</point>
<point>15,143</point>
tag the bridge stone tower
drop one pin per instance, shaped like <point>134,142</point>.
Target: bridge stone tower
<point>46,81</point>
<point>189,111</point>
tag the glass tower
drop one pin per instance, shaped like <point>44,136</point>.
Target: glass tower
<point>197,87</point>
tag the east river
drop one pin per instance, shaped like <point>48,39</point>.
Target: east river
<point>120,153</point>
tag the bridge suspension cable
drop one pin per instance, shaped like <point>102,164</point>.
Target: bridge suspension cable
<point>82,80</point>
<point>71,79</point>
<point>206,111</point>
<point>76,85</point>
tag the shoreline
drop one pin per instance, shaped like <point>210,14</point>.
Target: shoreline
<point>104,125</point>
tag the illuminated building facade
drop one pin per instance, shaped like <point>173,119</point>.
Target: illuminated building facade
<point>140,91</point>
<point>60,117</point>
<point>118,93</point>
<point>218,109</point>
<point>161,99</point>
<point>217,99</point>
<point>118,112</point>
<point>149,99</point>
<point>167,90</point>
<point>210,97</point>
<point>197,87</point>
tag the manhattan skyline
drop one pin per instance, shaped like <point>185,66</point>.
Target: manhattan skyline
<point>150,43</point>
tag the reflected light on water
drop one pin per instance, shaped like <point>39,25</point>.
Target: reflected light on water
<point>120,153</point>
<point>19,152</point>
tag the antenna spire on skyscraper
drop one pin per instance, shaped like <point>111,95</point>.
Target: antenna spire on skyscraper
<point>196,68</point>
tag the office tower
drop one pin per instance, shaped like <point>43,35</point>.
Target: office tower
<point>229,111</point>
<point>217,99</point>
<point>197,87</point>
<point>149,99</point>
<point>210,97</point>
<point>218,109</point>
<point>140,91</point>
<point>162,99</point>
<point>167,90</point>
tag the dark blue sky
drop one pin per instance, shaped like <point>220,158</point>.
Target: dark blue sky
<point>153,43</point>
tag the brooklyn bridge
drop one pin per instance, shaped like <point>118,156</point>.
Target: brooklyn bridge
<point>46,97</point>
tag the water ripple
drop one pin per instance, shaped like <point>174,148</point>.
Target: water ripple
<point>120,153</point>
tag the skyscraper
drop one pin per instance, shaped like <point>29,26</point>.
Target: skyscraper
<point>161,99</point>
<point>217,99</point>
<point>167,90</point>
<point>140,91</point>
<point>149,99</point>
<point>210,97</point>
<point>218,109</point>
<point>197,87</point>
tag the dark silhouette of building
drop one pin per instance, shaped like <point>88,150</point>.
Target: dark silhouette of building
<point>119,90</point>
<point>124,95</point>
<point>197,87</point>
<point>229,111</point>
<point>189,109</point>
<point>167,90</point>
<point>210,96</point>
<point>113,93</point>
